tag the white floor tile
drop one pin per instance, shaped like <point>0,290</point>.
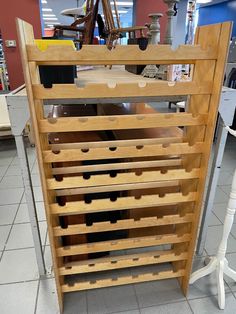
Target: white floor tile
<point>38,194</point>
<point>214,235</point>
<point>210,305</point>
<point>180,307</point>
<point>76,303</point>
<point>214,221</point>
<point>232,264</point>
<point>47,298</point>
<point>109,300</point>
<point>3,170</point>
<point>13,171</point>
<point>220,196</point>
<point>158,292</point>
<point>225,178</point>
<point>9,182</point>
<point>18,298</point>
<point>18,265</point>
<point>7,213</point>
<point>23,216</point>
<point>4,232</point>
<point>21,236</point>
<point>220,211</point>
<point>11,196</point>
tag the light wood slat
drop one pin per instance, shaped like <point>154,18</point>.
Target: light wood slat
<point>122,225</point>
<point>121,244</point>
<point>118,166</point>
<point>118,143</point>
<point>100,123</point>
<point>122,203</point>
<point>100,90</point>
<point>123,261</point>
<point>117,187</point>
<point>96,55</point>
<point>123,152</point>
<point>122,178</point>
<point>122,280</point>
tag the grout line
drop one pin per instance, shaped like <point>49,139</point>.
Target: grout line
<point>11,228</point>
<point>175,302</point>
<point>36,299</point>
<point>15,282</point>
<point>190,306</point>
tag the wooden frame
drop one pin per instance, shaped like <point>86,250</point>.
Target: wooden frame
<point>157,164</point>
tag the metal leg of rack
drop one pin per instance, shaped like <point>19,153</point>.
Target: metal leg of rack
<point>215,171</point>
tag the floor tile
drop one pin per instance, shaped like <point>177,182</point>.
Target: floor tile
<point>18,265</point>
<point>210,305</point>
<point>35,169</point>
<point>75,303</point>
<point>205,286</point>
<point>180,307</point>
<point>158,292</point>
<point>35,179</point>
<point>47,302</point>
<point>220,211</point>
<point>128,312</point>
<point>23,216</point>
<point>4,232</point>
<point>233,231</point>
<point>214,221</point>
<point>13,171</point>
<point>225,178</point>
<point>232,264</point>
<point>3,170</point>
<point>114,299</point>
<point>18,298</point>
<point>214,235</point>
<point>7,213</point>
<point>9,182</point>
<point>227,189</point>
<point>21,236</point>
<point>38,195</point>
<point>220,196</point>
<point>5,161</point>
<point>10,196</point>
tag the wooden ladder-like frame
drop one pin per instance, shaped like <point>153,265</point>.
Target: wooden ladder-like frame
<point>189,170</point>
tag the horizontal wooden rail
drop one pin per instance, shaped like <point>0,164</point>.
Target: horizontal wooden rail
<point>86,285</point>
<point>118,90</point>
<point>118,166</point>
<point>117,187</point>
<point>116,143</point>
<point>95,55</point>
<point>122,152</point>
<point>122,203</point>
<point>123,261</point>
<point>122,244</point>
<point>100,123</point>
<point>123,224</point>
<point>122,178</point>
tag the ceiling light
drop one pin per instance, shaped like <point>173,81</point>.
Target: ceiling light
<point>128,3</point>
<point>50,18</point>
<point>43,1</point>
<point>46,10</point>
<point>203,1</point>
<point>49,15</point>
<point>120,11</point>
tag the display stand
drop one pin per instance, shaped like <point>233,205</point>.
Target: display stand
<point>219,263</point>
<point>176,224</point>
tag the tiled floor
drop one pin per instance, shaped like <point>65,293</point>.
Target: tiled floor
<point>21,290</point>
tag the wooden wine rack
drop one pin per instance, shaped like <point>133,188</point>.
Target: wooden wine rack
<point>173,169</point>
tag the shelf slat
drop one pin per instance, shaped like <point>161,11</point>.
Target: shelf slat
<point>122,152</point>
<point>122,203</point>
<point>119,122</point>
<point>122,244</point>
<point>122,225</point>
<point>96,55</point>
<point>122,280</point>
<point>122,261</point>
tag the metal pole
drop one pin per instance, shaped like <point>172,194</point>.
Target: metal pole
<point>215,171</point>
<point>29,195</point>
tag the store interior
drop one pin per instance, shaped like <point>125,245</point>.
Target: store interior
<point>117,156</point>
